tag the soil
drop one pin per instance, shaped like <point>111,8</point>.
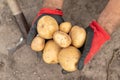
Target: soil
<point>25,64</point>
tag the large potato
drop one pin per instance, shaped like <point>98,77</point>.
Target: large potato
<point>78,36</point>
<point>38,43</point>
<point>50,52</point>
<point>47,26</point>
<point>68,58</point>
<point>62,39</point>
<point>65,27</point>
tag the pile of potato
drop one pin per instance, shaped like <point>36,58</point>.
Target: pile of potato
<point>62,43</point>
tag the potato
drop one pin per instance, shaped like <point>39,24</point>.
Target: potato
<point>50,52</point>
<point>78,36</point>
<point>46,27</point>
<point>65,27</point>
<point>68,58</point>
<point>38,43</point>
<point>62,39</point>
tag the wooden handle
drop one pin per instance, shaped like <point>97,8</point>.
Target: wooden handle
<point>19,17</point>
<point>15,8</point>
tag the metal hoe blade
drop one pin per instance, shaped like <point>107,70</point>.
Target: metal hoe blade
<point>11,49</point>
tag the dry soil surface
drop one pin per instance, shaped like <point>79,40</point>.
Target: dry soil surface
<point>25,64</point>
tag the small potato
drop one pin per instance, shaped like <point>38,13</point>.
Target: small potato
<point>50,52</point>
<point>62,39</point>
<point>68,58</point>
<point>78,36</point>
<point>38,43</point>
<point>65,27</point>
<point>46,27</point>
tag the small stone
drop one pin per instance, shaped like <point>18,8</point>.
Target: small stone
<point>1,65</point>
<point>34,73</point>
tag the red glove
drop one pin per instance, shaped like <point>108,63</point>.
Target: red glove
<point>56,14</point>
<point>96,37</point>
<point>48,11</point>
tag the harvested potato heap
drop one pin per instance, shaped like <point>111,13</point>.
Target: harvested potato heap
<point>62,43</point>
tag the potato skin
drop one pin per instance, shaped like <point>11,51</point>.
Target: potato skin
<point>38,44</point>
<point>78,36</point>
<point>68,58</point>
<point>62,39</point>
<point>65,27</point>
<point>50,52</point>
<point>47,26</point>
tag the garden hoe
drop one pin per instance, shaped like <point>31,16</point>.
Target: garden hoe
<point>22,25</point>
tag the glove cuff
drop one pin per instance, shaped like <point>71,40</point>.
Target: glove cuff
<point>99,38</point>
<point>50,11</point>
<point>96,27</point>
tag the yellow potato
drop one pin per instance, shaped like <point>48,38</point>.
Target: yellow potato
<point>62,39</point>
<point>47,26</point>
<point>50,52</point>
<point>68,58</point>
<point>78,36</point>
<point>38,43</point>
<point>65,27</point>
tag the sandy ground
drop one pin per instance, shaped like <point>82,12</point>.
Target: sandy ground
<point>25,64</point>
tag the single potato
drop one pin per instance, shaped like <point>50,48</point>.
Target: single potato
<point>50,52</point>
<point>78,36</point>
<point>62,39</point>
<point>38,44</point>
<point>68,58</point>
<point>47,26</point>
<point>65,27</point>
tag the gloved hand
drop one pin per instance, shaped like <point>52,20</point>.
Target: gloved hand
<point>56,13</point>
<point>96,37</point>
